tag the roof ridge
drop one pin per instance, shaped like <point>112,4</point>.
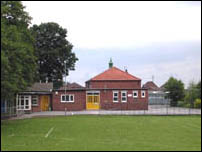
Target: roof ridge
<point>117,69</point>
<point>127,73</point>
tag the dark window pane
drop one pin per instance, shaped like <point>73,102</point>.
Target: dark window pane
<point>72,98</point>
<point>63,98</point>
<point>67,97</point>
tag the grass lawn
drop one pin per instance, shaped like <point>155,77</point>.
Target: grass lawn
<point>103,133</point>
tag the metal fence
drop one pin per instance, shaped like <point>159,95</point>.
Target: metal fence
<point>153,109</point>
<point>7,112</point>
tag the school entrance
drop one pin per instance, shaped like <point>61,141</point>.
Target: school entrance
<point>93,100</point>
<point>44,103</point>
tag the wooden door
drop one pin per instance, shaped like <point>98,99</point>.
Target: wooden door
<point>93,102</point>
<point>44,103</point>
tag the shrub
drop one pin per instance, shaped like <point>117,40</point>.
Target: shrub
<point>181,104</point>
<point>197,103</point>
<point>188,105</point>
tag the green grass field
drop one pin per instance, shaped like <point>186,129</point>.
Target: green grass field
<point>103,133</point>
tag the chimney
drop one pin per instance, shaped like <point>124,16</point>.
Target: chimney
<point>125,68</point>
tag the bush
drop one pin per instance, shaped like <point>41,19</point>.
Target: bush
<point>181,104</point>
<point>197,103</point>
<point>188,105</point>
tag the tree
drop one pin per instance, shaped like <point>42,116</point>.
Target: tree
<point>176,89</point>
<point>18,62</point>
<point>193,92</point>
<point>198,87</point>
<point>52,49</point>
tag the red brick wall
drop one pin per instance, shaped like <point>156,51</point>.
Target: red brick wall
<point>106,98</point>
<point>106,101</point>
<point>38,108</point>
<point>78,104</point>
<point>114,84</point>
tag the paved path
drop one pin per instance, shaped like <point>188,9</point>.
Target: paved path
<point>153,110</point>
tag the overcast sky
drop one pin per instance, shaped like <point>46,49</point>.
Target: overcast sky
<point>149,38</point>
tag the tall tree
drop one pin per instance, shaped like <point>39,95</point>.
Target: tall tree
<point>18,62</point>
<point>176,89</point>
<point>198,87</point>
<point>52,50</point>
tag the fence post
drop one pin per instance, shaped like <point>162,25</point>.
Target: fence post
<point>10,111</point>
<point>167,107</point>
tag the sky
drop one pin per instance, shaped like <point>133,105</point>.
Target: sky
<point>159,39</point>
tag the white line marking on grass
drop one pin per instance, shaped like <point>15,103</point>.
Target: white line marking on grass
<point>49,132</point>
<point>11,135</point>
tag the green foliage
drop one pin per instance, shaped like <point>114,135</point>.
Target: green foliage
<point>197,103</point>
<point>176,90</point>
<point>52,49</point>
<point>181,104</point>
<point>198,87</point>
<point>193,92</point>
<point>17,53</point>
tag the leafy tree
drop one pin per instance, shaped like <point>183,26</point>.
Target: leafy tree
<point>193,92</point>
<point>176,89</point>
<point>198,87</point>
<point>18,62</point>
<point>52,49</point>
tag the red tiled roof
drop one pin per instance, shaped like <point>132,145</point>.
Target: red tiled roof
<point>150,85</point>
<point>71,86</point>
<point>114,74</point>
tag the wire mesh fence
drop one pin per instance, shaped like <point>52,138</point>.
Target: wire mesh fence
<point>128,108</point>
<point>7,112</point>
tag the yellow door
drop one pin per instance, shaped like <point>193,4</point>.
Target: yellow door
<point>44,103</point>
<point>93,102</point>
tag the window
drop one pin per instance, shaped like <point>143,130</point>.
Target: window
<point>123,96</point>
<point>24,102</point>
<point>143,94</point>
<point>135,94</point>
<point>34,100</point>
<point>115,96</point>
<point>67,98</point>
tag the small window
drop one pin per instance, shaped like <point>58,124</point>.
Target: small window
<point>34,100</point>
<point>67,98</point>
<point>115,96</point>
<point>135,94</point>
<point>143,94</point>
<point>123,96</point>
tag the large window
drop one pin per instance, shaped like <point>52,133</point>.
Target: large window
<point>115,96</point>
<point>123,96</point>
<point>135,94</point>
<point>24,102</point>
<point>34,100</point>
<point>143,94</point>
<point>67,98</point>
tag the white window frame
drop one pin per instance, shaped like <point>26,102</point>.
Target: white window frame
<point>37,99</point>
<point>23,107</point>
<point>143,91</point>
<point>122,96</point>
<point>117,96</point>
<point>69,96</point>
<point>136,91</point>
